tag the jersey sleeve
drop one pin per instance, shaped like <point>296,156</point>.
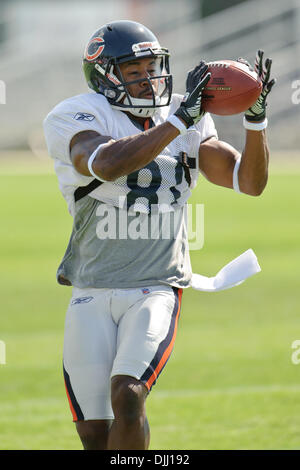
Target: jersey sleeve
<point>206,127</point>
<point>60,127</point>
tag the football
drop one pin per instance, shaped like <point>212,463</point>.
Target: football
<point>232,88</point>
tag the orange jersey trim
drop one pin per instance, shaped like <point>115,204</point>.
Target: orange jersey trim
<point>168,350</point>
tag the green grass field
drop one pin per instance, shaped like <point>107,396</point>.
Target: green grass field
<point>230,383</point>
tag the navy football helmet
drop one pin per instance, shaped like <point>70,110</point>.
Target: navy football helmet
<point>123,41</point>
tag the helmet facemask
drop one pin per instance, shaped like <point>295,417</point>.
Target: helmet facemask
<point>115,88</point>
<point>158,84</point>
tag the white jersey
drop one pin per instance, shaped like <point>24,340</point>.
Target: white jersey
<point>136,251</point>
<point>161,181</point>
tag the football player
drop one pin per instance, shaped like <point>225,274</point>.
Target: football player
<point>127,154</point>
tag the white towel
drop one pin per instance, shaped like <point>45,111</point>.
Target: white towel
<point>233,274</point>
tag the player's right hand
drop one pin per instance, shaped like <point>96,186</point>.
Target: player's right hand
<point>190,109</point>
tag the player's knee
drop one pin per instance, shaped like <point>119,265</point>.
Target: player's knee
<point>128,398</point>
<point>93,435</point>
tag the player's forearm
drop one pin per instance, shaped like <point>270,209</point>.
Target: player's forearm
<point>126,155</point>
<point>253,172</point>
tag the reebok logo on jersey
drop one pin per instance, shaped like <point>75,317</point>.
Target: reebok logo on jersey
<point>82,300</point>
<point>84,117</point>
<point>146,291</point>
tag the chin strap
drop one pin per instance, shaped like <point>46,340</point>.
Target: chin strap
<point>136,110</point>
<point>142,112</point>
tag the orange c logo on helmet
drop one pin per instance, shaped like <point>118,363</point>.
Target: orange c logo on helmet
<point>94,48</point>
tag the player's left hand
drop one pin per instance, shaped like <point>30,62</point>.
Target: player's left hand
<point>257,112</point>
<point>190,110</point>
